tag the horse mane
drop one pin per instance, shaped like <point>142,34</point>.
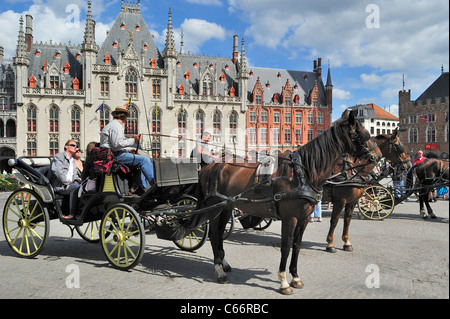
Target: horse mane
<point>431,154</point>
<point>318,155</point>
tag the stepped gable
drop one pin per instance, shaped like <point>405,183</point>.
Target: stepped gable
<point>130,25</point>
<point>277,79</point>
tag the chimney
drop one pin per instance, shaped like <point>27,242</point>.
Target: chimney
<point>319,67</point>
<point>235,49</point>
<point>315,65</point>
<point>29,32</point>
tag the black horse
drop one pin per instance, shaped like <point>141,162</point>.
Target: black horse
<point>290,194</point>
<point>430,174</point>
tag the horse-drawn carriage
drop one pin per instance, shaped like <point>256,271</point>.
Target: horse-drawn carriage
<point>107,214</point>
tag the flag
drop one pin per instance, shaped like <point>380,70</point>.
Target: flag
<point>183,110</point>
<point>100,108</point>
<point>424,117</point>
<point>128,103</point>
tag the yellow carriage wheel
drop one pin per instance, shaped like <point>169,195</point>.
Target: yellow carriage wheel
<point>25,222</point>
<point>195,238</point>
<point>122,236</point>
<point>376,203</point>
<point>90,231</point>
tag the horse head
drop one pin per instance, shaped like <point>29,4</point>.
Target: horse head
<point>357,135</point>
<point>394,151</point>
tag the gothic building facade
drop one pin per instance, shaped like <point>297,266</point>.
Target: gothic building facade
<point>54,92</point>
<point>424,123</point>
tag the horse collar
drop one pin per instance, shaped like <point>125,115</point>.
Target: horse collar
<point>304,188</point>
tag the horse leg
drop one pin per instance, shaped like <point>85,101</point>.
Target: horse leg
<point>422,199</point>
<point>297,241</point>
<point>287,230</point>
<point>429,209</point>
<point>217,227</point>
<point>347,219</point>
<point>336,213</point>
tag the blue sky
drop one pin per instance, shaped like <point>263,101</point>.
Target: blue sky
<point>370,45</point>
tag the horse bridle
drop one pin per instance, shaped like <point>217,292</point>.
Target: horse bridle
<point>362,151</point>
<point>397,149</point>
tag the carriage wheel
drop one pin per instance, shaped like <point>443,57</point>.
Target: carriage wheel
<point>195,238</point>
<point>376,203</point>
<point>90,231</point>
<point>229,227</point>
<point>264,224</point>
<point>25,222</point>
<point>122,236</point>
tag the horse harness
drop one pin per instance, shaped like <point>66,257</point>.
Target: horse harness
<point>264,186</point>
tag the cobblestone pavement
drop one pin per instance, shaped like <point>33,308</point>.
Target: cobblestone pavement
<point>410,255</point>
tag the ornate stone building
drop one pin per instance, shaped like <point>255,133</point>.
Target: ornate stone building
<point>424,122</point>
<point>66,91</point>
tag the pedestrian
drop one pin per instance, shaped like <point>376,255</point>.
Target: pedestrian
<point>317,214</point>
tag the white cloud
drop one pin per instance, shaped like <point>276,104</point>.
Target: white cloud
<point>341,94</point>
<point>49,23</point>
<point>197,32</point>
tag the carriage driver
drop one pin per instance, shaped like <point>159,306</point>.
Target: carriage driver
<point>201,151</point>
<point>113,137</point>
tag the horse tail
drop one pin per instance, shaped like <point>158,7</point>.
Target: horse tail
<point>410,179</point>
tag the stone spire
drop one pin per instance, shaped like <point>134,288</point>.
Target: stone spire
<point>243,63</point>
<point>182,42</point>
<point>21,50</point>
<point>89,33</point>
<point>169,50</point>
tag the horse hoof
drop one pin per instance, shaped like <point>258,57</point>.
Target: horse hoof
<point>432,215</point>
<point>297,284</point>
<point>348,248</point>
<point>286,291</point>
<point>331,249</point>
<point>222,280</point>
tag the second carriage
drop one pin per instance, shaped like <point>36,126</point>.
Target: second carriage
<point>106,214</point>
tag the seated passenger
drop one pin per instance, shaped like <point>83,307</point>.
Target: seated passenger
<point>113,137</point>
<point>63,175</point>
<point>201,151</point>
<point>88,175</point>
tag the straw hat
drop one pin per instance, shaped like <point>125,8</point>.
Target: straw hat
<point>121,109</point>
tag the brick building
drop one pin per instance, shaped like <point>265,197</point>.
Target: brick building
<point>424,122</point>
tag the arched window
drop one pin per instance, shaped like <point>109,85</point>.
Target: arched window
<point>131,79</point>
<point>431,134</point>
<point>207,85</point>
<point>131,127</point>
<point>31,119</point>
<point>182,122</point>
<point>11,129</point>
<point>75,117</point>
<point>233,126</point>
<point>54,120</point>
<point>413,136</point>
<point>217,118</point>
<point>104,117</point>
<point>199,124</point>
<point>156,120</point>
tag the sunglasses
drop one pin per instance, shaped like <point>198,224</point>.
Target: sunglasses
<point>73,145</point>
